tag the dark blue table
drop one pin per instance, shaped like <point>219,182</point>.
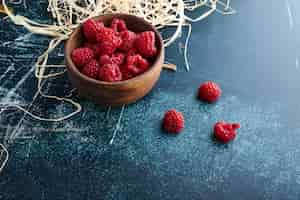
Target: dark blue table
<point>253,55</point>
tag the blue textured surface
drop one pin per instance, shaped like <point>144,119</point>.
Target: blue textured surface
<point>251,54</point>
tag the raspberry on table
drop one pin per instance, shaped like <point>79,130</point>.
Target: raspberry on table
<point>110,73</point>
<point>225,132</point>
<point>145,44</point>
<point>209,92</point>
<point>128,38</point>
<point>173,121</point>
<point>136,65</point>
<point>91,28</point>
<point>116,58</point>
<point>118,25</point>
<point>95,47</point>
<point>82,56</point>
<point>91,69</point>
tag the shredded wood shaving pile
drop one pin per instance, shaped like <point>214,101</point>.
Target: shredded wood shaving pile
<point>68,14</point>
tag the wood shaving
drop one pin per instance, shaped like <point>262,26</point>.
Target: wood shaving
<point>170,66</point>
<point>117,128</point>
<point>2,9</point>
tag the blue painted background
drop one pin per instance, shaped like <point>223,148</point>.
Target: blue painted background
<point>253,56</point>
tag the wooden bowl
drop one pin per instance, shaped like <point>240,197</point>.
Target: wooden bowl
<point>115,93</point>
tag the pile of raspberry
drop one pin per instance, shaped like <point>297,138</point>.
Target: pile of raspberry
<point>114,53</point>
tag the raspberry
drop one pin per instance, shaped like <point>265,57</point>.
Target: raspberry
<point>91,69</point>
<point>225,132</point>
<point>135,65</point>
<point>173,121</point>
<point>91,28</point>
<point>94,47</point>
<point>107,34</point>
<point>82,56</point>
<point>116,58</point>
<point>128,38</point>
<point>145,44</point>
<point>209,92</point>
<point>131,52</point>
<point>105,59</point>
<point>118,25</point>
<point>126,74</point>
<point>109,47</point>
<point>110,73</point>
<point>104,34</point>
<point>109,41</point>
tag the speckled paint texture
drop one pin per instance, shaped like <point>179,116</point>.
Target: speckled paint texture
<point>253,55</point>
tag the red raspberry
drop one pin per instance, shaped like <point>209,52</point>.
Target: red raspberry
<point>116,58</point>
<point>105,34</point>
<point>91,69</point>
<point>108,35</point>
<point>145,44</point>
<point>225,132</point>
<point>136,65</point>
<point>110,73</point>
<point>131,52</point>
<point>95,47</point>
<point>105,59</point>
<point>82,56</point>
<point>109,41</point>
<point>173,121</point>
<point>118,25</point>
<point>109,47</point>
<point>209,92</point>
<point>126,74</point>
<point>90,29</point>
<point>128,38</point>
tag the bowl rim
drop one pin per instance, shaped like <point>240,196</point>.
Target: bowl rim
<point>154,65</point>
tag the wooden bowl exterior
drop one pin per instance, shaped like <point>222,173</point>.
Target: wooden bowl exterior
<point>116,93</point>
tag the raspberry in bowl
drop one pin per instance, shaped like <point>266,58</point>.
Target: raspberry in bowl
<point>114,59</point>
